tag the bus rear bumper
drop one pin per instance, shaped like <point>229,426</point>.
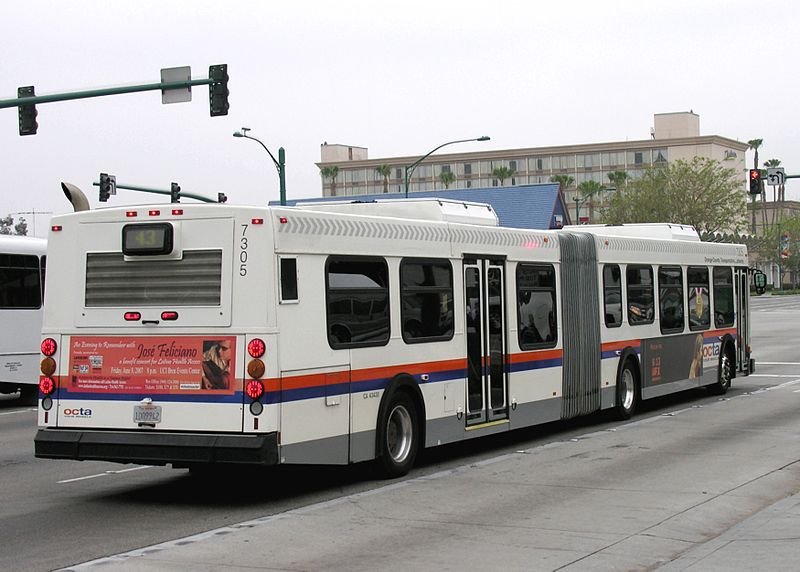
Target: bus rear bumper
<point>180,449</point>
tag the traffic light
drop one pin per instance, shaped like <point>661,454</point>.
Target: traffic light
<point>27,113</point>
<point>175,193</point>
<point>755,182</point>
<point>108,186</point>
<point>218,89</point>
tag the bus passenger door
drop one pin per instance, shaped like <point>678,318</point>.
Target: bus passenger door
<point>487,389</point>
<point>742,290</point>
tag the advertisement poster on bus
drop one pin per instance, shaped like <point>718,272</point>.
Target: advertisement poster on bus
<point>152,364</point>
<point>673,358</point>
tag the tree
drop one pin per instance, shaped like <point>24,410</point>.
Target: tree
<point>330,173</point>
<point>447,178</point>
<point>384,171</point>
<point>619,179</point>
<point>586,191</point>
<point>701,193</point>
<point>564,182</point>
<point>7,226</point>
<point>502,173</point>
<point>779,244</point>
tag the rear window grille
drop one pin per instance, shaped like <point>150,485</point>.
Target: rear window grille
<point>195,280</point>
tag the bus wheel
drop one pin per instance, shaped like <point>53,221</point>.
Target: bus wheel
<point>626,391</point>
<point>725,374</point>
<point>399,436</point>
<point>29,395</point>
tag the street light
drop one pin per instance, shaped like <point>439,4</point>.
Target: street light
<point>280,164</point>
<point>410,168</point>
<point>582,199</point>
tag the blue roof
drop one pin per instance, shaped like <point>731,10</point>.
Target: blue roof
<point>519,206</point>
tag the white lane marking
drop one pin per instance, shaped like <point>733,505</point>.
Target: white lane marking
<point>777,363</point>
<point>104,474</point>
<point>18,411</point>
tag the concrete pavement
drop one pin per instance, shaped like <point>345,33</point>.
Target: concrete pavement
<point>714,487</point>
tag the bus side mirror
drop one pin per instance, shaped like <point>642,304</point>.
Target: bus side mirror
<point>760,282</point>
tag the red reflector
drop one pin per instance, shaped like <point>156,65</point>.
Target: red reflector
<point>256,347</point>
<point>56,228</point>
<point>283,220</point>
<point>130,214</point>
<point>177,211</point>
<point>169,315</point>
<point>132,316</point>
<point>47,385</point>
<point>254,389</point>
<point>154,213</point>
<point>49,346</point>
<point>257,221</point>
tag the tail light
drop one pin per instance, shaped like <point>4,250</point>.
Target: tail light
<point>47,385</point>
<point>256,368</point>
<point>49,346</point>
<point>256,348</point>
<point>254,389</point>
<point>48,366</point>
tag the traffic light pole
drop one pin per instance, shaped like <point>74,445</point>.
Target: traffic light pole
<point>217,83</point>
<point>221,198</point>
<point>101,92</point>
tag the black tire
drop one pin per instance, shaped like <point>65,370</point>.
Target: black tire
<point>398,436</point>
<point>627,391</point>
<point>724,373</point>
<point>29,395</point>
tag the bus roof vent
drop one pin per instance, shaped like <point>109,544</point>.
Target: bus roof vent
<point>662,230</point>
<point>444,210</point>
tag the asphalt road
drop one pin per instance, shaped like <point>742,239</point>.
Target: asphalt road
<point>687,468</point>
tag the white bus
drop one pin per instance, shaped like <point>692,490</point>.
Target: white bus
<point>334,334</point>
<point>22,269</point>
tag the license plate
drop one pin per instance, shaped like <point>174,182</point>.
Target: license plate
<point>147,414</point>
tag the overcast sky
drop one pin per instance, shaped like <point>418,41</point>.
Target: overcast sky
<point>396,77</point>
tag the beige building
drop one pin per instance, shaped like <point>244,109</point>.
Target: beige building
<point>673,136</point>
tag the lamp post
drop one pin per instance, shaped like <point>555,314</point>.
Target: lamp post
<point>410,168</point>
<point>280,163</point>
<point>580,200</point>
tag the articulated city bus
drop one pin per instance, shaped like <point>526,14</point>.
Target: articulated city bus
<point>338,333</point>
<point>22,269</point>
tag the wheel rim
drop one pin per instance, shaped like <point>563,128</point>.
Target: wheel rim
<point>628,389</point>
<point>399,434</point>
<point>725,373</point>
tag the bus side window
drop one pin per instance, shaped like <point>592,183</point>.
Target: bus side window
<point>20,282</point>
<point>640,294</point>
<point>536,306</point>
<point>426,300</point>
<point>699,310</point>
<point>723,297</point>
<point>670,298</point>
<point>288,279</point>
<point>612,295</point>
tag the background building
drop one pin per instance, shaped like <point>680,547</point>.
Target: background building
<point>673,136</point>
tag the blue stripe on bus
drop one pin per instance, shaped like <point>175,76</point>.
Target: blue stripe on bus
<point>237,397</point>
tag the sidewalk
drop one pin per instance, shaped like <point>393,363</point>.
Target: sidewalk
<point>768,540</point>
